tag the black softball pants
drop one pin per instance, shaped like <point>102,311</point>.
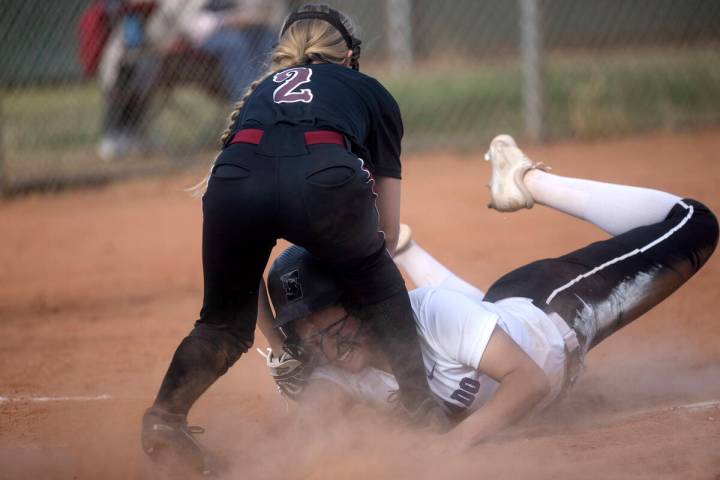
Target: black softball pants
<point>319,197</point>
<point>601,288</point>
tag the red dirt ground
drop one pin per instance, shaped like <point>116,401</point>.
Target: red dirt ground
<point>98,286</point>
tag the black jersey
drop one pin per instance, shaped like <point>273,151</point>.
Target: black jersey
<point>330,96</point>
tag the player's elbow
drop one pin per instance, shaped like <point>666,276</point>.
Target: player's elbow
<point>542,387</point>
<point>391,241</point>
<point>531,385</point>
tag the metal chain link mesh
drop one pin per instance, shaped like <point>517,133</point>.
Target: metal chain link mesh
<point>95,90</point>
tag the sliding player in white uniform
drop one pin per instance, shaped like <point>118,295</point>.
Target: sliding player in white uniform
<point>493,358</point>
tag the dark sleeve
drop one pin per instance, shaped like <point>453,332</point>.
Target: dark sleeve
<point>385,133</point>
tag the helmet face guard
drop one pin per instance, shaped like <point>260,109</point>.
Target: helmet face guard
<point>333,18</point>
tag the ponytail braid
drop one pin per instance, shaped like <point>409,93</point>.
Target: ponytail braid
<point>238,106</point>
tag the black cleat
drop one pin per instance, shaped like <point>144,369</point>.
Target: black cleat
<point>167,439</point>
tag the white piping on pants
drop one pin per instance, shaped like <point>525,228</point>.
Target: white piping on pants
<point>647,247</point>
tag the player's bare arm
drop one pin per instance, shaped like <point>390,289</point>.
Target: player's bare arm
<point>522,386</point>
<point>388,204</point>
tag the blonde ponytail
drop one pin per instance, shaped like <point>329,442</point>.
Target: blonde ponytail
<point>304,41</point>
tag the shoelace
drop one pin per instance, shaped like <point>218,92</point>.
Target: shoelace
<point>267,356</point>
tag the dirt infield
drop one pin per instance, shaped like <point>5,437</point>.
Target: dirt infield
<point>98,286</point>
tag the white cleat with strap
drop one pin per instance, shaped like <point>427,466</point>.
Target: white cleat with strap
<point>509,165</point>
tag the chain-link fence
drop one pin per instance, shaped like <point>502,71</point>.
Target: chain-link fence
<point>98,89</point>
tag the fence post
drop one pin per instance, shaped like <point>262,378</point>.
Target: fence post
<point>399,34</point>
<point>4,182</point>
<point>530,45</point>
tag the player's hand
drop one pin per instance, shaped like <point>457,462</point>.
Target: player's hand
<point>289,373</point>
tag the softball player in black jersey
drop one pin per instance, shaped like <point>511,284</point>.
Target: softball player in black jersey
<point>311,155</point>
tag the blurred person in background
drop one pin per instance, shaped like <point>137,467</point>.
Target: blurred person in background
<point>219,45</point>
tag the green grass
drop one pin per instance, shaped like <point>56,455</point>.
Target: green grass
<point>586,96</point>
<point>631,93</point>
<point>40,118</point>
<point>460,102</point>
<point>70,117</point>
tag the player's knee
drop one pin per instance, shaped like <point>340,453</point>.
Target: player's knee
<point>705,225</point>
<point>229,346</point>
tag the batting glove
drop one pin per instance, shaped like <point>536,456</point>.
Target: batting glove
<point>290,374</point>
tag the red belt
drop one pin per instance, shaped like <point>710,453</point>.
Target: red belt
<point>254,135</point>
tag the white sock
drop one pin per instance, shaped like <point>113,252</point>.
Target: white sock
<point>425,271</point>
<point>613,208</point>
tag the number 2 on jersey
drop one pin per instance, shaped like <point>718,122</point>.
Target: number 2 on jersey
<point>290,80</point>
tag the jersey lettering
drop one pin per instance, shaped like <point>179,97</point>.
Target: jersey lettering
<point>290,80</point>
<point>467,391</point>
<point>463,397</point>
<point>470,385</point>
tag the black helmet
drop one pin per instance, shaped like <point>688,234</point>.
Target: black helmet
<point>300,284</point>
